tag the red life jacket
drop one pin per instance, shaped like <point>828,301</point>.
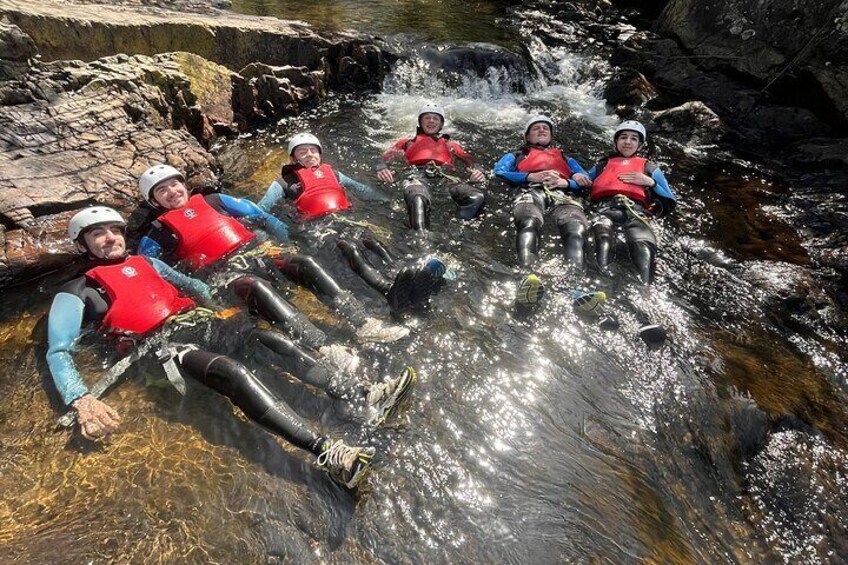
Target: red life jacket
<point>424,149</point>
<point>141,300</point>
<point>607,183</point>
<point>321,192</point>
<point>544,159</point>
<point>205,235</point>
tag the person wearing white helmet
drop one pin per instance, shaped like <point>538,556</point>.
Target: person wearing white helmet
<point>627,191</point>
<point>211,232</point>
<point>140,300</point>
<point>205,230</point>
<point>550,182</point>
<point>319,191</point>
<point>432,156</point>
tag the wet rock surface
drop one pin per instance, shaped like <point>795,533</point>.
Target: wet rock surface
<point>232,40</point>
<point>83,136</point>
<point>792,49</point>
<point>73,133</point>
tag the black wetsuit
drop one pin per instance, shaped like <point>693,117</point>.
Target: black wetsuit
<point>84,301</point>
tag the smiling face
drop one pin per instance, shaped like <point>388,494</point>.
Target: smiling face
<point>627,143</point>
<point>430,123</point>
<point>104,241</point>
<point>539,134</point>
<point>170,194</point>
<point>307,155</point>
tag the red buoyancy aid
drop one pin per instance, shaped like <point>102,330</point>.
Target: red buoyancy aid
<point>205,235</point>
<point>141,300</point>
<point>543,160</point>
<point>424,149</point>
<point>321,192</point>
<point>607,183</point>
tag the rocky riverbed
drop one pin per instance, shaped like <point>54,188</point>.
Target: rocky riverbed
<point>555,440</point>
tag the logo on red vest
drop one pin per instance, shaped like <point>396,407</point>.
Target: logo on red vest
<point>319,174</point>
<point>625,161</point>
<point>190,213</point>
<point>129,272</point>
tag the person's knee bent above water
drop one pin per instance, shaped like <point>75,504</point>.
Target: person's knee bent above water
<point>627,191</point>
<point>134,296</point>
<point>433,155</point>
<point>208,230</point>
<point>318,190</point>
<point>549,181</point>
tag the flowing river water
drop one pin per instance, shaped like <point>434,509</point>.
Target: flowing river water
<point>530,439</point>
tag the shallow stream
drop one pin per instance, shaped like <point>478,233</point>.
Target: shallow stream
<point>530,439</point>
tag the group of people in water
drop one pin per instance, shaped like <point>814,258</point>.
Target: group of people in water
<point>200,255</point>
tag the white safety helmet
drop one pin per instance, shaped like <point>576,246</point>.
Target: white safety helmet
<point>631,125</point>
<point>153,176</point>
<point>90,217</point>
<point>303,139</point>
<point>431,108</point>
<point>535,119</point>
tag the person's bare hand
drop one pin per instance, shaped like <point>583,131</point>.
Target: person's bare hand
<point>548,177</point>
<point>581,180</point>
<point>96,418</point>
<point>636,178</point>
<point>476,175</point>
<point>386,175</point>
<point>556,182</point>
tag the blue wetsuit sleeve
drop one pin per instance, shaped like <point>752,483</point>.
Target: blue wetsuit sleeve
<point>244,208</point>
<point>506,169</point>
<point>575,168</point>
<point>362,189</point>
<point>64,324</point>
<point>148,247</point>
<point>593,172</point>
<point>196,288</point>
<point>662,193</point>
<point>272,197</point>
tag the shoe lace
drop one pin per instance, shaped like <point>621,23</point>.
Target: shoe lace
<point>377,392</point>
<point>338,455</point>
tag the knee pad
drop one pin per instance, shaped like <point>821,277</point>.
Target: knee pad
<point>573,234</point>
<point>602,228</point>
<point>311,274</point>
<point>252,290</point>
<point>572,228</point>
<point>526,223</point>
<point>414,190</point>
<point>218,372</point>
<point>472,206</point>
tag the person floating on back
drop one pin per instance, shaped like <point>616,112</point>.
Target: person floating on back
<point>549,182</point>
<point>627,192</point>
<point>212,232</point>
<point>319,192</point>
<point>432,156</point>
<point>141,304</point>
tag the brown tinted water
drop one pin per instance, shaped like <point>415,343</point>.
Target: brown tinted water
<point>529,439</point>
